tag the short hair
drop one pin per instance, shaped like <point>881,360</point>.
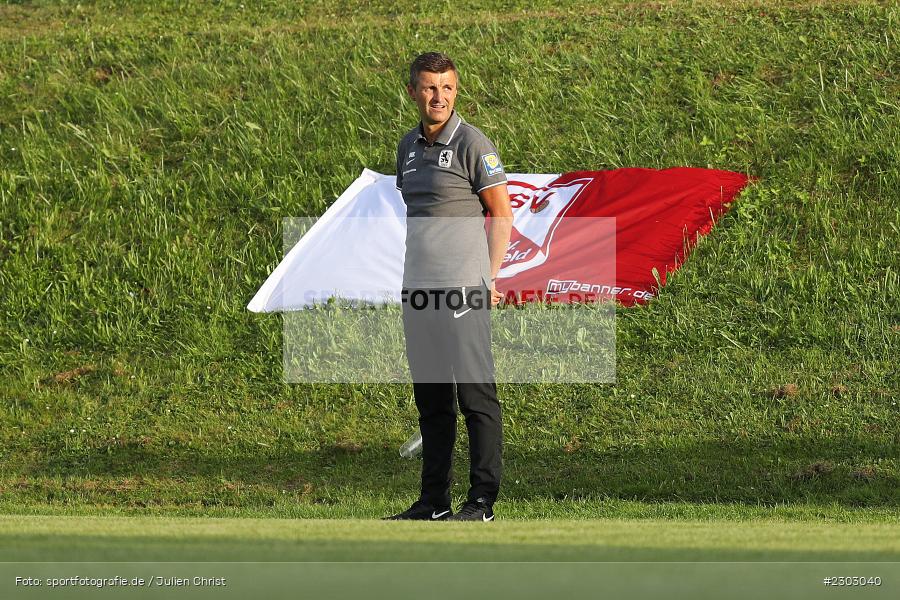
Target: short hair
<point>433,62</point>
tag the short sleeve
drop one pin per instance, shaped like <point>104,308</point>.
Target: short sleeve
<point>484,165</point>
<point>399,183</point>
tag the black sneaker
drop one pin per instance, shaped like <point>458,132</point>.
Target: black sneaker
<point>474,510</point>
<point>422,511</point>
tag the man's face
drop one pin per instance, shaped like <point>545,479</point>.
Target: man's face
<point>434,94</point>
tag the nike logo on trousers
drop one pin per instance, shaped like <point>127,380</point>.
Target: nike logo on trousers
<point>457,314</point>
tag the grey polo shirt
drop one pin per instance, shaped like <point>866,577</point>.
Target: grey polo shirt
<point>443,180</point>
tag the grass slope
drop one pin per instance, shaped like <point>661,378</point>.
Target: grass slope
<point>148,153</point>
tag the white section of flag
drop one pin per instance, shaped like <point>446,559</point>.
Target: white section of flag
<point>344,255</point>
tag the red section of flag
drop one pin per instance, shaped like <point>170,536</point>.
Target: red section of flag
<point>659,215</point>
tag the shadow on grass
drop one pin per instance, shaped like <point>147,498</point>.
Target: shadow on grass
<point>376,579</point>
<point>89,548</point>
<point>844,471</point>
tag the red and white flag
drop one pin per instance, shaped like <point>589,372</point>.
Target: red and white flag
<point>576,237</point>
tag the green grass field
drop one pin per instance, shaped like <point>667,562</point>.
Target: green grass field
<point>149,151</point>
<point>153,538</point>
<point>533,559</point>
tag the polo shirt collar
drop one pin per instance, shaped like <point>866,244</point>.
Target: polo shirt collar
<point>447,132</point>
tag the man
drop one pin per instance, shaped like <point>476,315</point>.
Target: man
<point>448,169</point>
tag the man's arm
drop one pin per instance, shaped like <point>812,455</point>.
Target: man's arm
<point>399,181</point>
<point>496,200</point>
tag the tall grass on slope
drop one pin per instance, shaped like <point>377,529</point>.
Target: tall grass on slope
<point>149,153</point>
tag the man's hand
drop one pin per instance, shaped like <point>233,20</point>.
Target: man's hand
<point>496,296</point>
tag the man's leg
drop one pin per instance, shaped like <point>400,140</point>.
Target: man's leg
<point>473,367</point>
<point>437,422</point>
<point>426,351</point>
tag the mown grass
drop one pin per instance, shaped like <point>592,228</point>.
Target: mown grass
<point>54,538</point>
<point>352,558</point>
<point>148,153</point>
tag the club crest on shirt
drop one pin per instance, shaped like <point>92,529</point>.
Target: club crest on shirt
<point>491,163</point>
<point>445,158</point>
